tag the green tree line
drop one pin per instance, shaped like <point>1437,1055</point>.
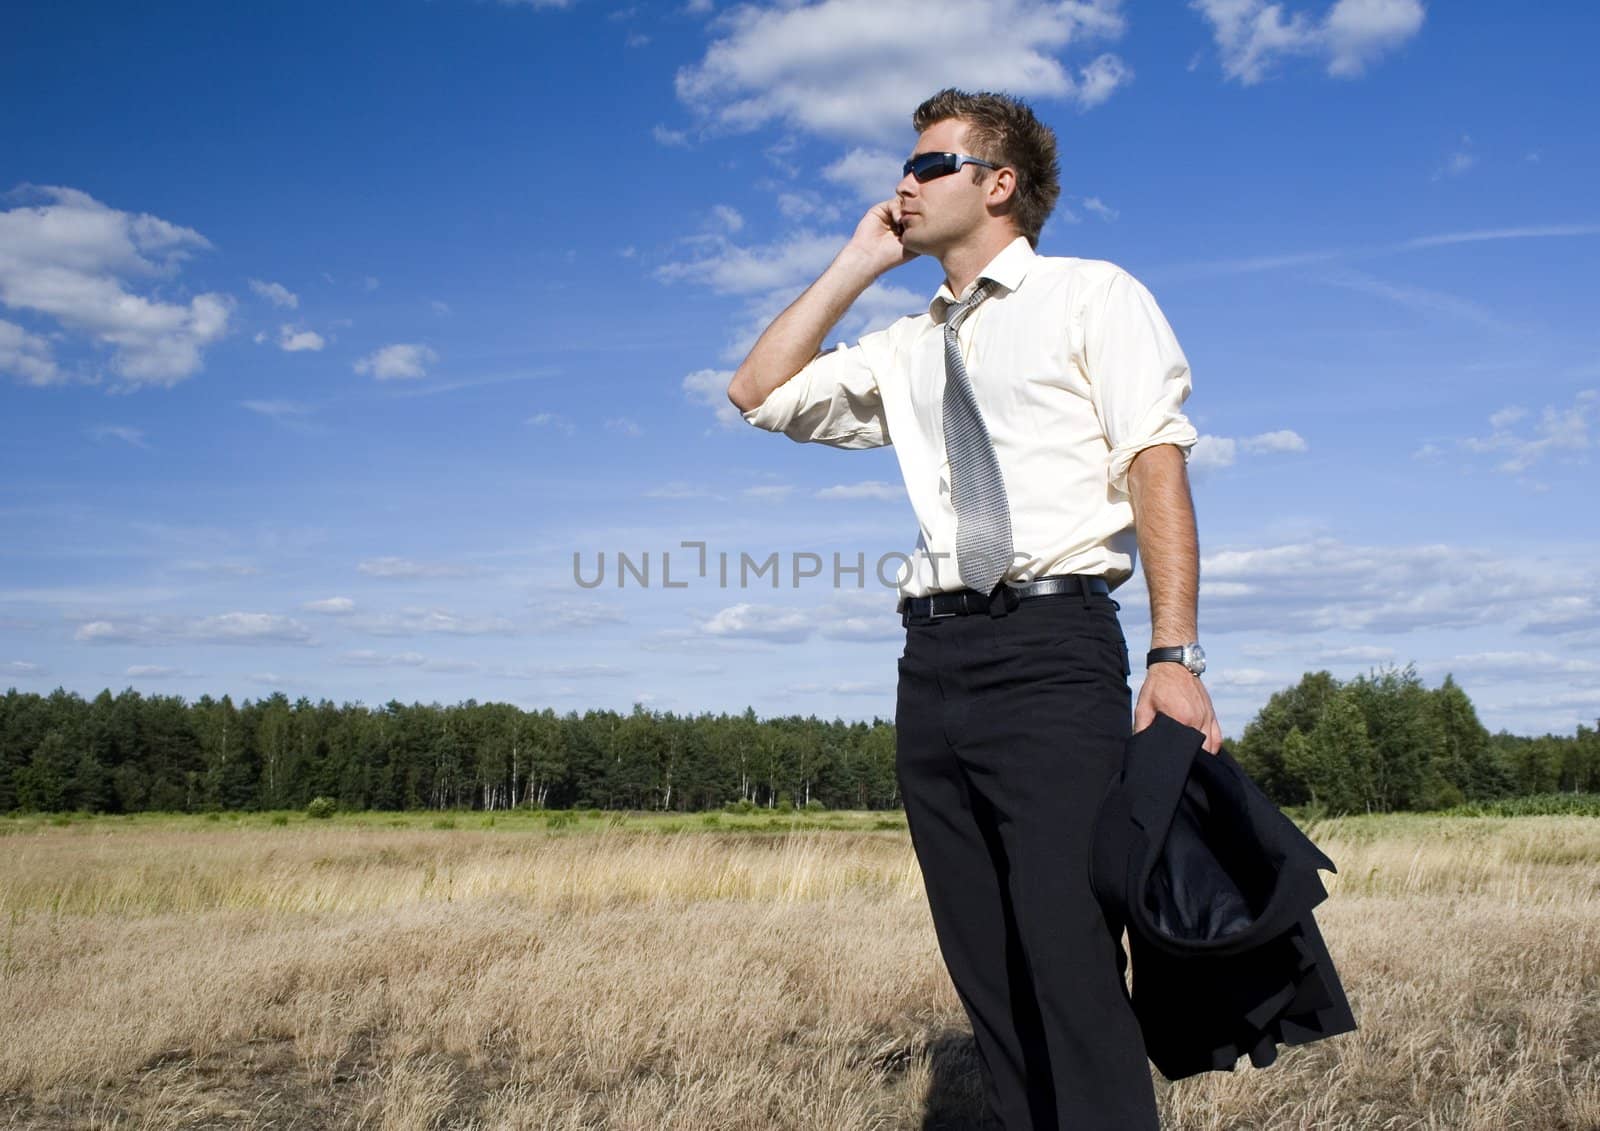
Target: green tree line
<point>1378,742</point>
<point>1383,742</point>
<point>130,753</point>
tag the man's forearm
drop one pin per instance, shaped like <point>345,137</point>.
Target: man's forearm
<point>1163,516</point>
<point>796,335</point>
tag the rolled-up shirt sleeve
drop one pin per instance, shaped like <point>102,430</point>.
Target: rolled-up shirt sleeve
<point>1138,376</point>
<point>834,400</point>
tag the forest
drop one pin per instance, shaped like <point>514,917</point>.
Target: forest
<point>1377,742</point>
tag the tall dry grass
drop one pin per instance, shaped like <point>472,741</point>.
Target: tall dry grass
<point>179,974</point>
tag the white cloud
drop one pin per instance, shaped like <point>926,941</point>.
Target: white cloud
<point>331,606</point>
<point>224,628</point>
<point>729,268</point>
<point>869,489</point>
<point>72,259</point>
<point>1253,36</point>
<point>726,216</point>
<point>1459,161</point>
<point>672,139</point>
<point>276,293</point>
<point>679,489</point>
<point>133,436</point>
<point>1312,653</point>
<point>1099,208</point>
<point>856,69</point>
<point>278,410</point>
<point>710,388</point>
<point>871,174</point>
<point>367,658</point>
<point>1506,416</point>
<point>224,569</point>
<point>1512,665</point>
<point>567,671</point>
<point>27,356</point>
<point>1211,453</point>
<point>405,567</point>
<point>844,687</point>
<point>1283,440</point>
<point>1557,430</point>
<point>768,492</point>
<point>1419,299</point>
<point>1324,584</point>
<point>401,361</point>
<point>581,614</point>
<point>151,671</point>
<point>806,205</point>
<point>758,622</point>
<point>769,276</point>
<point>551,420</point>
<point>20,667</point>
<point>1101,79</point>
<point>291,340</point>
<point>411,621</point>
<point>623,426</point>
<point>1356,32</point>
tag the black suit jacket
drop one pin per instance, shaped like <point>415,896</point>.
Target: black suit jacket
<point>1215,886</point>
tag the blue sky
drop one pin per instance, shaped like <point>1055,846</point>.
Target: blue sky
<point>330,333</point>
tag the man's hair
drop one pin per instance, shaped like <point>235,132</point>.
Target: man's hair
<point>1004,130</point>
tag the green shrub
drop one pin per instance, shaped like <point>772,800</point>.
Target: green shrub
<point>711,820</point>
<point>743,805</point>
<point>444,823</point>
<point>321,808</point>
<point>784,806</point>
<point>559,819</point>
<point>278,819</point>
<point>814,806</point>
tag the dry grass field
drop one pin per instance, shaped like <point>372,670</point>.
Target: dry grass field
<point>377,973</point>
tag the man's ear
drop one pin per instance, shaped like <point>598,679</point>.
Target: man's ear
<point>1002,186</point>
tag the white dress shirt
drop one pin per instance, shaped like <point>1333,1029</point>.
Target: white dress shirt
<point>1075,371</point>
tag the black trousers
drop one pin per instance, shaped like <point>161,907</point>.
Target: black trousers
<point>1009,730</point>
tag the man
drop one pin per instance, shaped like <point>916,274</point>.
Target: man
<point>1036,413</point>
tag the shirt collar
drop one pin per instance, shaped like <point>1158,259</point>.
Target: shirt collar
<point>1008,268</point>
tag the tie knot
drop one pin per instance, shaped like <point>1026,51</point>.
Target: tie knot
<point>957,314</point>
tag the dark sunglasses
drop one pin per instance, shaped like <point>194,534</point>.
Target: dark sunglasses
<point>926,166</point>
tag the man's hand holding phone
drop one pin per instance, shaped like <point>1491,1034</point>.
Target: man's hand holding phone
<point>877,237</point>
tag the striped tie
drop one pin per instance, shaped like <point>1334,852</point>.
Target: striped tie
<point>977,491</point>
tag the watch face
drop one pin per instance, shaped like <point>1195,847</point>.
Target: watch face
<point>1194,658</point>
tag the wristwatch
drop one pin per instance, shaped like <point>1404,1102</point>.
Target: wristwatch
<point>1190,655</point>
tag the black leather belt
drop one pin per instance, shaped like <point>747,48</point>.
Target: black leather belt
<point>962,602</point>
